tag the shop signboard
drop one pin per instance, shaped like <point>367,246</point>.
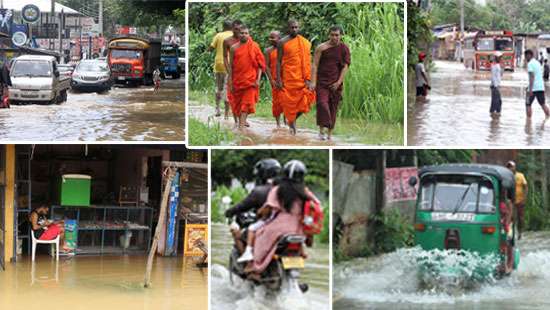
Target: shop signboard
<point>195,234</point>
<point>397,186</point>
<point>30,13</point>
<point>6,21</point>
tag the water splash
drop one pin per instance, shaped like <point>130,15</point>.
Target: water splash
<point>241,295</point>
<point>393,280</point>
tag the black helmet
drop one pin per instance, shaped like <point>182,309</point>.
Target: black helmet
<point>266,169</point>
<point>295,170</point>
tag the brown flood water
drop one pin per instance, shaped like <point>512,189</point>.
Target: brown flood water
<point>121,114</point>
<point>101,283</point>
<point>261,130</point>
<point>457,111</point>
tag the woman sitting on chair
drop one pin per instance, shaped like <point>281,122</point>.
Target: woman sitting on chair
<point>43,229</point>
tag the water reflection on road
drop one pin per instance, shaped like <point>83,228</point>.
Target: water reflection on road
<point>123,113</point>
<point>457,111</point>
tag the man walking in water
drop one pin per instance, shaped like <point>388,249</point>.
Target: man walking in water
<point>496,75</point>
<point>536,85</point>
<point>330,64</point>
<point>219,66</point>
<point>270,55</point>
<point>520,194</point>
<point>422,84</point>
<point>246,63</point>
<point>294,74</point>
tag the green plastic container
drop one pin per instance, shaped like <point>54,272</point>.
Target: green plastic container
<point>75,190</point>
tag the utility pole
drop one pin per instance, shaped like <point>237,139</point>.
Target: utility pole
<point>60,26</point>
<point>461,16</point>
<point>100,21</point>
<point>51,22</point>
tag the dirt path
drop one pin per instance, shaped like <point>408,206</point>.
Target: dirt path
<point>264,131</point>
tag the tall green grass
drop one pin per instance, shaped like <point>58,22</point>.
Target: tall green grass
<point>208,134</point>
<point>373,89</point>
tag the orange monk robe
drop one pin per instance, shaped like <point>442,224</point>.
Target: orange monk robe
<point>295,97</point>
<point>247,59</point>
<point>276,107</point>
<point>232,40</point>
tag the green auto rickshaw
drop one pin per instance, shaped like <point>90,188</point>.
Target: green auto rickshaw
<point>467,208</point>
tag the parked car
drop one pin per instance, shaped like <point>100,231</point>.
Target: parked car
<point>65,69</point>
<point>37,79</point>
<point>92,75</point>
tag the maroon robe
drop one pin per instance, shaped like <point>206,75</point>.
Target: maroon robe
<point>331,63</point>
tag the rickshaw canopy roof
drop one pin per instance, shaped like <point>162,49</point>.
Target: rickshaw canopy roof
<point>503,174</point>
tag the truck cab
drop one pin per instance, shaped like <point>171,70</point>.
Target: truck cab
<point>133,59</point>
<point>36,78</point>
<point>169,57</point>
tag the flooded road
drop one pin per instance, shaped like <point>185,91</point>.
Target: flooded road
<point>263,131</point>
<point>122,114</point>
<point>108,282</point>
<point>390,281</point>
<point>239,296</point>
<point>457,111</point>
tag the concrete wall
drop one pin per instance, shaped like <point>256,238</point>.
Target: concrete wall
<point>129,169</point>
<point>354,201</point>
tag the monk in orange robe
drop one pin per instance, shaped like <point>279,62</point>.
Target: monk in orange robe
<point>227,43</point>
<point>246,65</point>
<point>294,75</point>
<point>270,55</point>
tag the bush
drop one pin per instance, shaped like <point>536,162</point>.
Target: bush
<point>217,212</point>
<point>393,231</point>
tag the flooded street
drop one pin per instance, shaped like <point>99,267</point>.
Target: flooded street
<point>390,281</point>
<point>121,114</point>
<point>224,295</point>
<point>457,111</point>
<point>108,282</point>
<point>264,131</point>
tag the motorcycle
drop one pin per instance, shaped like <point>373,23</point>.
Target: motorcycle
<point>283,272</point>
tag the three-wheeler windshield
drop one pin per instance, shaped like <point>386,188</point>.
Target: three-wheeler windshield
<point>457,194</point>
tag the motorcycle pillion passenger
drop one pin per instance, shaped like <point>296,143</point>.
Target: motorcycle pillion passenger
<point>282,214</point>
<point>265,171</point>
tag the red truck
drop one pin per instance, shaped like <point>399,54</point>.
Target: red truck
<point>133,59</point>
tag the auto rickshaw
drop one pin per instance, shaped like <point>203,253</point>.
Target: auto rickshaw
<point>464,208</point>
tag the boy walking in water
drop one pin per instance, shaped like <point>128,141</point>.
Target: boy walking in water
<point>422,84</point>
<point>156,78</point>
<point>496,75</point>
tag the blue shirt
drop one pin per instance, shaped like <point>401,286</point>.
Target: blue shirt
<point>535,67</point>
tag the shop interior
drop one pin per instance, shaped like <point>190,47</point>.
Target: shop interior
<point>118,215</point>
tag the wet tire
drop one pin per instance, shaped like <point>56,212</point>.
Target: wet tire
<point>275,273</point>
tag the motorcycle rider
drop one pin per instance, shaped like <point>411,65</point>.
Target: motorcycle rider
<point>265,171</point>
<point>284,205</point>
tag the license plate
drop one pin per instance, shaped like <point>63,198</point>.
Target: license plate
<point>29,94</point>
<point>293,262</point>
<point>122,78</point>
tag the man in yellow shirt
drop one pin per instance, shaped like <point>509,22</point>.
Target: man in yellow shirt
<point>219,67</point>
<point>521,194</point>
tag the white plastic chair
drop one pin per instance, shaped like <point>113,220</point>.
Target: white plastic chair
<point>52,242</point>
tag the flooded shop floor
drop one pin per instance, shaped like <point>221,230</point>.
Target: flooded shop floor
<point>108,282</point>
